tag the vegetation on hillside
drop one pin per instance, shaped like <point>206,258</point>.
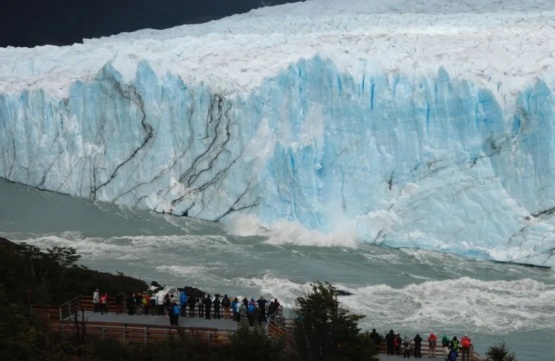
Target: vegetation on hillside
<point>53,277</point>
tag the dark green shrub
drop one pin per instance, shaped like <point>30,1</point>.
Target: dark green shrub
<point>500,353</point>
<point>254,344</point>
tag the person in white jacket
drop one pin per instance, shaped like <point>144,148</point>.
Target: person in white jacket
<point>446,353</point>
<point>96,301</point>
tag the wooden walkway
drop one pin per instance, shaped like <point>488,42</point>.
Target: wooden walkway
<point>130,328</point>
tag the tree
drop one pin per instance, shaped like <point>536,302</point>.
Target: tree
<point>500,353</point>
<point>61,259</point>
<point>326,331</point>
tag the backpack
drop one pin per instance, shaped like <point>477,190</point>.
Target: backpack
<point>176,310</point>
<point>225,302</point>
<point>251,308</point>
<point>465,342</point>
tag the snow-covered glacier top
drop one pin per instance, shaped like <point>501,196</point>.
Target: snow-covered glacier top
<point>502,45</point>
<point>423,124</point>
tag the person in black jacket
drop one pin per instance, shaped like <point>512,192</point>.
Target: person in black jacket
<point>418,346</point>
<point>191,302</point>
<point>130,304</point>
<point>216,304</point>
<point>389,339</point>
<point>262,306</point>
<point>119,302</point>
<point>207,306</point>
<point>226,304</point>
<point>376,337</point>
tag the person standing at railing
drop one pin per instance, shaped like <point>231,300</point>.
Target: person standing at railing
<point>466,343</point>
<point>146,303</point>
<point>226,304</point>
<point>376,338</point>
<point>217,303</point>
<point>207,306</point>
<point>453,354</point>
<point>257,317</point>
<point>406,347</point>
<point>446,351</point>
<point>119,302</point>
<point>397,343</point>
<point>455,343</point>
<point>174,313</point>
<point>183,302</point>
<point>418,346</point>
<point>103,300</point>
<point>139,303</point>
<point>445,341</point>
<point>272,308</point>
<point>191,302</point>
<point>160,303</point>
<point>243,313</point>
<point>432,340</point>
<point>235,309</point>
<point>390,342</point>
<point>262,306</point>
<point>250,311</point>
<point>200,301</point>
<point>96,301</point>
<point>153,308</point>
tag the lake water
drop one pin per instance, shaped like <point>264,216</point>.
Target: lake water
<point>407,290</point>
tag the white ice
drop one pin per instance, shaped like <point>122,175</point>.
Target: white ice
<point>426,124</point>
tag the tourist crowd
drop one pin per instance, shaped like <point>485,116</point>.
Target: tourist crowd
<point>395,345</point>
<point>178,304</point>
<point>254,312</point>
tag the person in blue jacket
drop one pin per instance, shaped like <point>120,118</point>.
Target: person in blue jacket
<point>183,302</point>
<point>174,314</point>
<point>453,354</point>
<point>234,309</point>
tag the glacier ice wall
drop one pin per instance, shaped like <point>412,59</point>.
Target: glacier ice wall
<point>395,159</point>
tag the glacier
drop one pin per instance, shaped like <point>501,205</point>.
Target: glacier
<point>403,124</point>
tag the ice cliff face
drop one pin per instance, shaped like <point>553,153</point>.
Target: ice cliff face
<point>429,159</point>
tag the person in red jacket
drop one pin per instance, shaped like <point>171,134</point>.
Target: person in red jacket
<point>466,343</point>
<point>103,300</point>
<point>432,340</point>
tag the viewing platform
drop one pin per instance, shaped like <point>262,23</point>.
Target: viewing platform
<point>145,328</point>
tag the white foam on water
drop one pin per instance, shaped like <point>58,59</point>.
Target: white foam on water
<point>464,303</point>
<point>286,232</point>
<point>132,247</point>
<point>184,270</point>
<point>272,286</point>
<point>89,247</point>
